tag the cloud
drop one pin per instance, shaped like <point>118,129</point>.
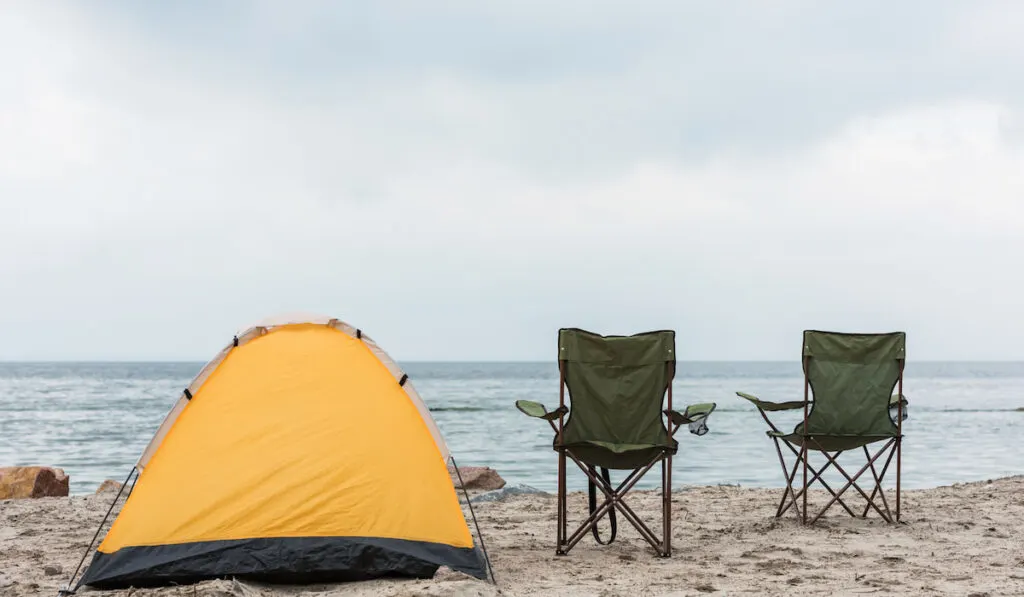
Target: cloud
<point>736,175</point>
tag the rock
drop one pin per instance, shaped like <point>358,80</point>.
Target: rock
<point>477,477</point>
<point>52,570</point>
<point>19,482</point>
<point>109,485</point>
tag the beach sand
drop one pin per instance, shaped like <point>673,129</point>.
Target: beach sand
<point>962,540</point>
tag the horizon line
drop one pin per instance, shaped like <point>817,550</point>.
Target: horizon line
<point>447,361</point>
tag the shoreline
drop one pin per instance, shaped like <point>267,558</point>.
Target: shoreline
<point>959,539</point>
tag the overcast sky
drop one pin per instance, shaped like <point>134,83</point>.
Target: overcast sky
<point>461,178</point>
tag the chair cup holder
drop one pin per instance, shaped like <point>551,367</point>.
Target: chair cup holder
<point>894,413</point>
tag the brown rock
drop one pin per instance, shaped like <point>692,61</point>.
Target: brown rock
<point>109,485</point>
<point>477,477</point>
<point>19,482</point>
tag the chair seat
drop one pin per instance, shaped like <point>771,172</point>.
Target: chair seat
<point>829,443</point>
<point>616,456</point>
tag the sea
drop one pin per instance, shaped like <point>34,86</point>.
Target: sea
<point>966,420</point>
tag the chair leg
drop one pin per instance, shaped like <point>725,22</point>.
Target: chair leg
<point>852,482</point>
<point>803,456</point>
<point>816,477</point>
<point>613,499</point>
<point>878,484</point>
<point>562,522</point>
<point>789,496</point>
<point>899,471</point>
<point>792,497</point>
<point>666,496</point>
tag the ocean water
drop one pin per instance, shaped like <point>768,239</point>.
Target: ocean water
<point>94,419</point>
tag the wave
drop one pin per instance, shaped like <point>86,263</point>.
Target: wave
<point>461,409</point>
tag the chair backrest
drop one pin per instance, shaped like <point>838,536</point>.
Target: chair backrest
<point>852,378</point>
<point>616,385</point>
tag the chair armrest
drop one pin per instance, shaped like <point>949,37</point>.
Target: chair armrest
<point>770,406</point>
<point>537,410</point>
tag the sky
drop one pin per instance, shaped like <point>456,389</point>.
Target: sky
<point>460,179</point>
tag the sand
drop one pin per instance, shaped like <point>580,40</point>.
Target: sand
<point>962,540</point>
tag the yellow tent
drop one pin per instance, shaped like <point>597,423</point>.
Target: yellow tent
<point>300,453</point>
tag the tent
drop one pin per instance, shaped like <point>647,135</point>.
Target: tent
<point>301,453</point>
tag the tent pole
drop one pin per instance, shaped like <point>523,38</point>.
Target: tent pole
<point>68,590</point>
<point>475,523</point>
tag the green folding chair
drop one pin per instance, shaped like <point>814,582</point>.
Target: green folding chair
<point>617,386</point>
<point>848,404</point>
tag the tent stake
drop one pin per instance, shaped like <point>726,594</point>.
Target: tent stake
<point>477,525</point>
<point>68,590</point>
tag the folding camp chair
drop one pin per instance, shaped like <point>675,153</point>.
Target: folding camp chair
<point>616,386</point>
<point>851,378</point>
